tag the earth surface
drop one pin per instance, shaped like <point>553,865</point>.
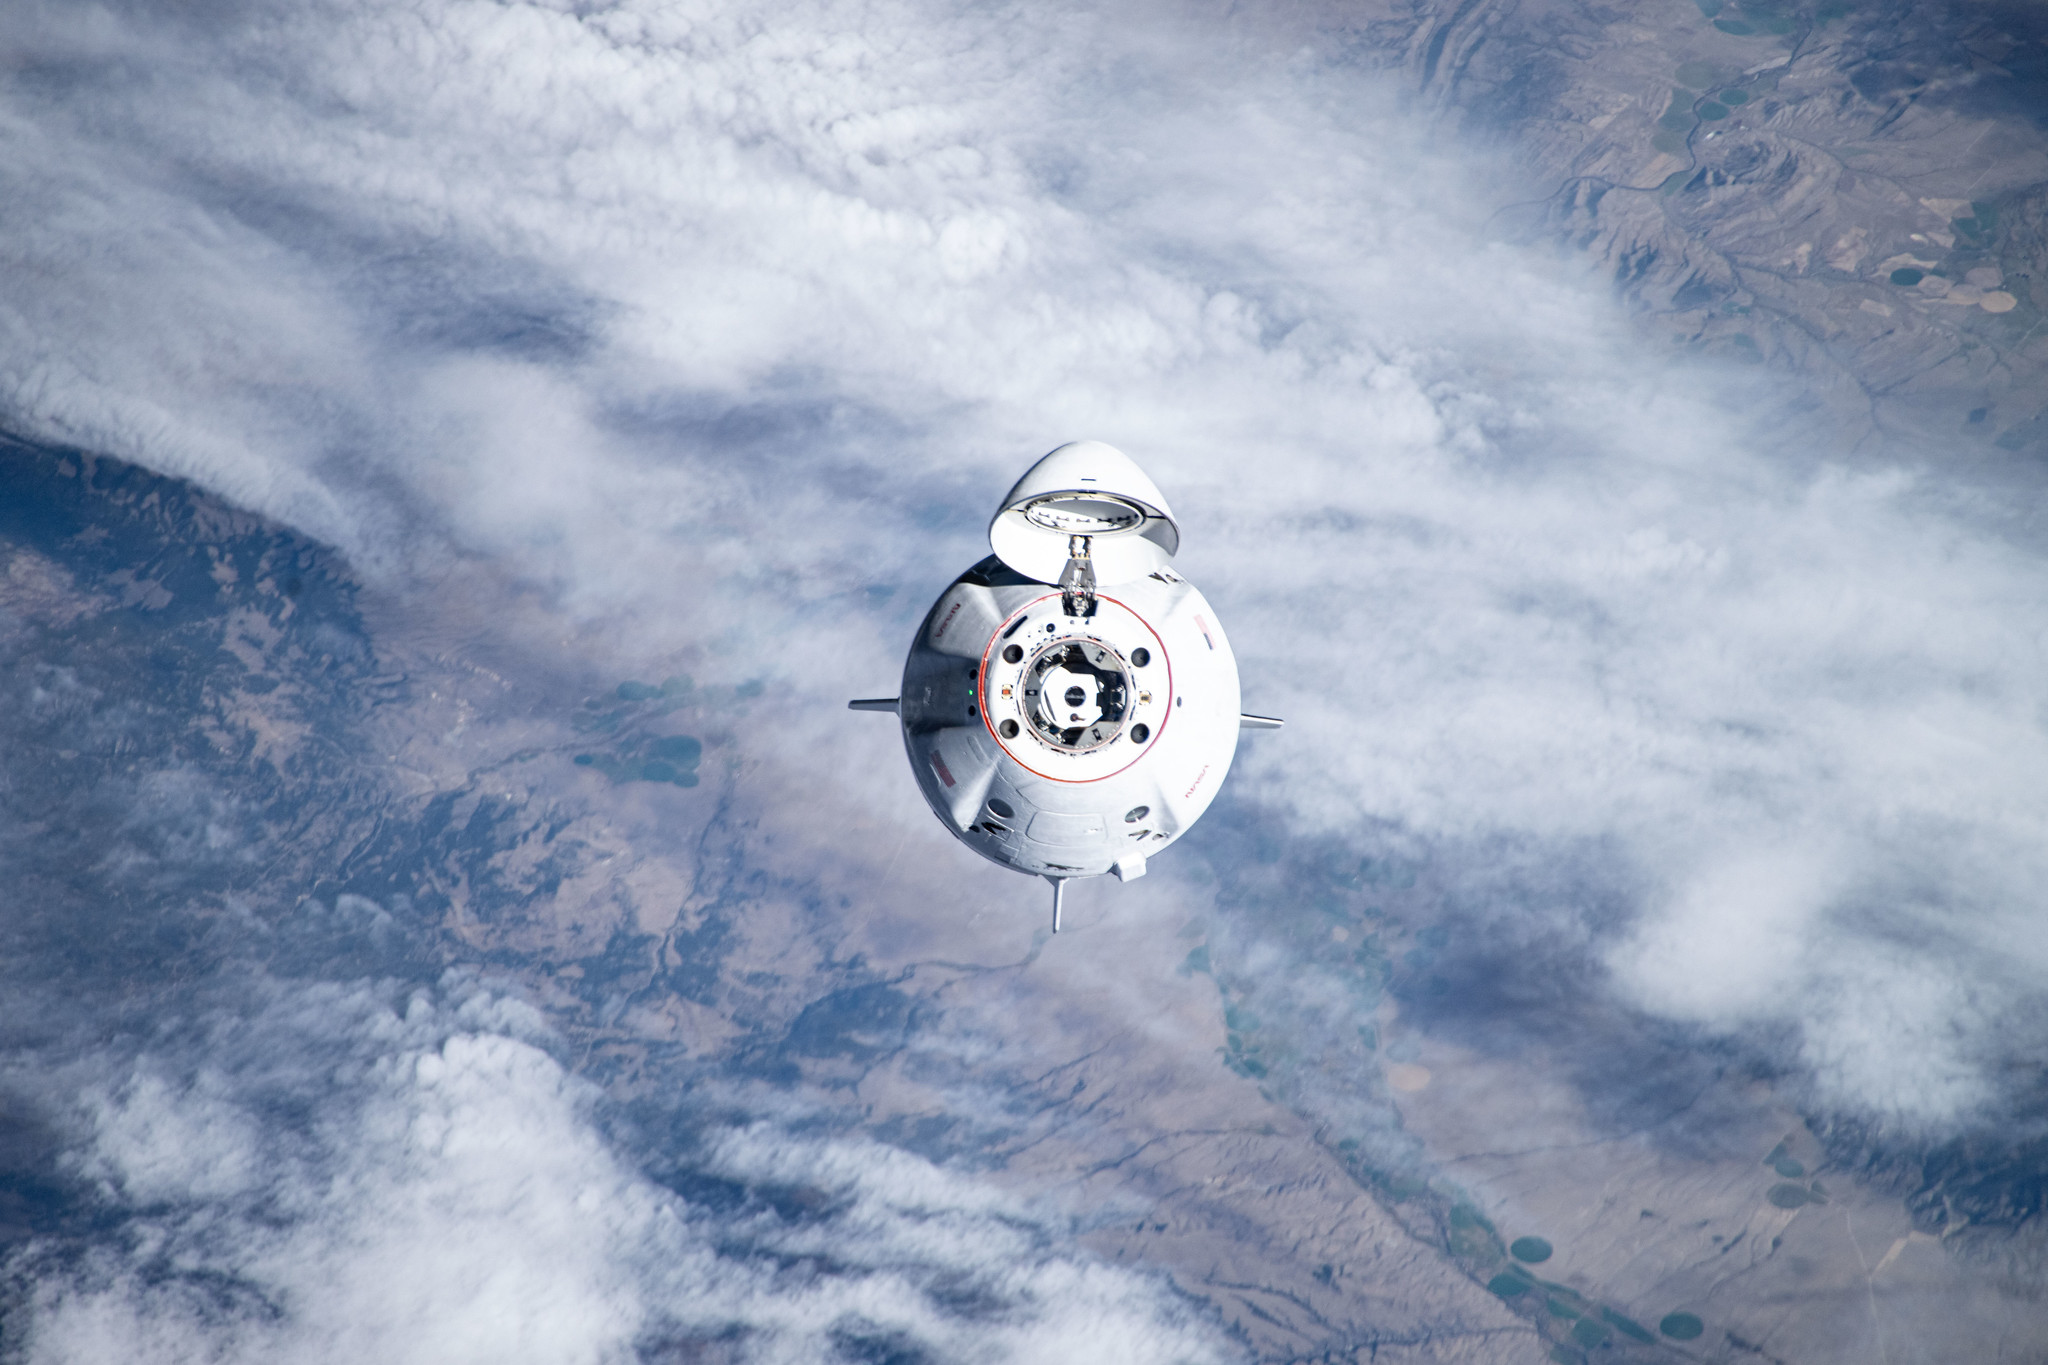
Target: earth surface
<point>291,841</point>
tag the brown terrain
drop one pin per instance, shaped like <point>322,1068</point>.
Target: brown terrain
<point>1236,1078</point>
<point>1854,196</point>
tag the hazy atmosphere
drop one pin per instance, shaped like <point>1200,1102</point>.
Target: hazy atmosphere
<point>459,458</point>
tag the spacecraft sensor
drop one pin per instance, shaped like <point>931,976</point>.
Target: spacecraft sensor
<point>1070,705</point>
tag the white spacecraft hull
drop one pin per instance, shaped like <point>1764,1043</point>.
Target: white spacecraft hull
<point>1070,705</point>
<point>1058,812</point>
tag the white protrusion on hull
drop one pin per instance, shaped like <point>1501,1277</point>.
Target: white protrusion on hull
<point>963,760</point>
<point>963,621</point>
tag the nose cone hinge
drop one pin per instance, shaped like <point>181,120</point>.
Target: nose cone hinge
<point>1077,580</point>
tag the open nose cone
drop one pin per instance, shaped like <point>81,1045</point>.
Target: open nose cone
<point>1085,488</point>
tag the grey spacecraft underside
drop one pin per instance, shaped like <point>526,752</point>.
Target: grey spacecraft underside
<point>1070,705</point>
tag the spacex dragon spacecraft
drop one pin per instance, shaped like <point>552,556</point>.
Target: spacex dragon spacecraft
<point>1070,705</point>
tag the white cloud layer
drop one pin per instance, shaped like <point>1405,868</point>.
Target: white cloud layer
<point>336,1176</point>
<point>639,295</point>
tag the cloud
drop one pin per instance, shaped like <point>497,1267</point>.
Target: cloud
<point>348,1171</point>
<point>1729,946</point>
<point>641,296</point>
